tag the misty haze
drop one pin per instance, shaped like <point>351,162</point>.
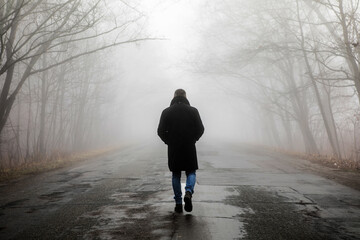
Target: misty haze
<point>154,119</point>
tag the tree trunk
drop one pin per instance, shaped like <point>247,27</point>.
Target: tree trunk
<point>61,107</point>
<point>5,101</point>
<point>288,131</point>
<point>28,125</point>
<point>300,107</point>
<point>273,129</point>
<point>316,89</point>
<point>17,136</point>
<point>330,116</point>
<point>43,102</point>
<point>356,149</point>
<point>80,123</point>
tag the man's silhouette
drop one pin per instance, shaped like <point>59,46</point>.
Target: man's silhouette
<point>180,127</point>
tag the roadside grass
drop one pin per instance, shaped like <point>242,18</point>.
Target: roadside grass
<point>326,160</point>
<point>329,161</point>
<point>34,166</point>
<point>345,164</point>
<point>343,171</point>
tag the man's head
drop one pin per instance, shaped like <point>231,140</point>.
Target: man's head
<point>180,92</point>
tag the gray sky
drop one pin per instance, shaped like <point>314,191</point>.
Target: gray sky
<point>153,70</point>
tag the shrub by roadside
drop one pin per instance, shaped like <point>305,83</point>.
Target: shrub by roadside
<point>50,163</point>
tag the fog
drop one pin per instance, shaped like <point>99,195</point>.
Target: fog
<point>271,74</point>
<point>151,71</point>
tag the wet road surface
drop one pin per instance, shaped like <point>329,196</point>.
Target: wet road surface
<point>241,193</point>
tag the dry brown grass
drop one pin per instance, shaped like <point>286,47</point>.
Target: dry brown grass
<point>51,163</point>
<point>326,160</point>
<point>330,161</point>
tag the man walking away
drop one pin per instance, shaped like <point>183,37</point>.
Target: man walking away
<point>180,127</point>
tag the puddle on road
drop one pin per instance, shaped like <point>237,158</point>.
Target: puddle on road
<point>212,216</point>
<point>132,217</point>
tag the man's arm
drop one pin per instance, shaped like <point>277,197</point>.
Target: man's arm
<point>199,127</point>
<point>163,128</point>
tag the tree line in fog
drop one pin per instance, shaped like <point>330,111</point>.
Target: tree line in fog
<point>299,62</point>
<point>53,83</point>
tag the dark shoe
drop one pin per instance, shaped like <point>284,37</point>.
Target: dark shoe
<point>178,208</point>
<point>187,199</point>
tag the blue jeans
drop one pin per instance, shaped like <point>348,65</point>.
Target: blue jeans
<point>176,184</point>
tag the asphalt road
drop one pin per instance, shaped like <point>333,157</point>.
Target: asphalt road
<point>242,193</point>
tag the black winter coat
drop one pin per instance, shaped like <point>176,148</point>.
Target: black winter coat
<point>180,127</point>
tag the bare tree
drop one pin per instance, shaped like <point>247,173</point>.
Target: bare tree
<point>34,28</point>
<point>303,54</point>
<point>49,42</point>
